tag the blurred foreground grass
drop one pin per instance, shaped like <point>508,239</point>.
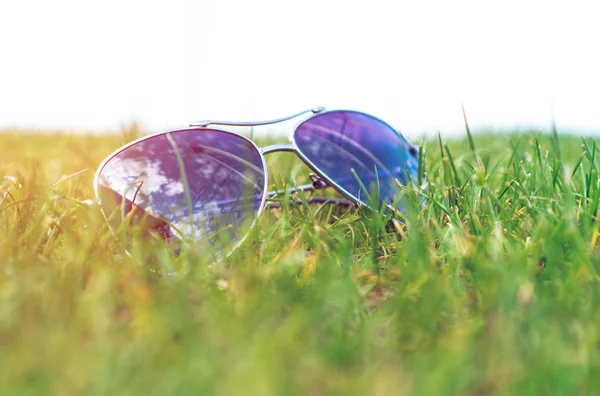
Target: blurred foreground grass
<point>492,288</point>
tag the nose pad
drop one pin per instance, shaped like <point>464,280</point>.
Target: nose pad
<point>413,150</point>
<point>317,182</point>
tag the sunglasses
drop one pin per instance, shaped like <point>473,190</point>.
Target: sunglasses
<point>196,182</point>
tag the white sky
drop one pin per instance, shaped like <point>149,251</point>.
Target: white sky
<point>93,65</point>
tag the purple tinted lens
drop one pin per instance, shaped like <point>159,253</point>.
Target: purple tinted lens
<point>340,142</point>
<point>216,175</point>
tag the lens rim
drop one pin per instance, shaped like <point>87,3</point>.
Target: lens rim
<point>188,130</point>
<point>322,174</point>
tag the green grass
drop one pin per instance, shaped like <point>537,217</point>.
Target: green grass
<point>491,288</point>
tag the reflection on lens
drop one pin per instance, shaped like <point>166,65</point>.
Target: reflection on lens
<point>358,152</point>
<point>187,184</point>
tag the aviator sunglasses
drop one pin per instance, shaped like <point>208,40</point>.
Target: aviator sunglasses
<point>193,183</point>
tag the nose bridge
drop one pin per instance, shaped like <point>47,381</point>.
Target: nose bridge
<point>273,148</point>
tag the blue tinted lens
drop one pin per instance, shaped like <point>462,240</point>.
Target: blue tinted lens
<point>352,148</point>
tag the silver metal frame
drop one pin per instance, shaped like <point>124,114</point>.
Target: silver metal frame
<point>290,147</point>
<point>205,123</point>
<point>119,150</point>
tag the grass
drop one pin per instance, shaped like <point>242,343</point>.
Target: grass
<point>491,288</point>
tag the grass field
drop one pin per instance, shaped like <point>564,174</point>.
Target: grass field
<point>491,288</point>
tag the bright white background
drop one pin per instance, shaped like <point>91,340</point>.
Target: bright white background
<point>92,65</point>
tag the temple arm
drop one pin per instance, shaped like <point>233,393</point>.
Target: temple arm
<point>314,200</point>
<point>162,227</point>
<point>304,187</point>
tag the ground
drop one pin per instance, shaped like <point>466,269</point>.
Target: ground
<point>490,288</point>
